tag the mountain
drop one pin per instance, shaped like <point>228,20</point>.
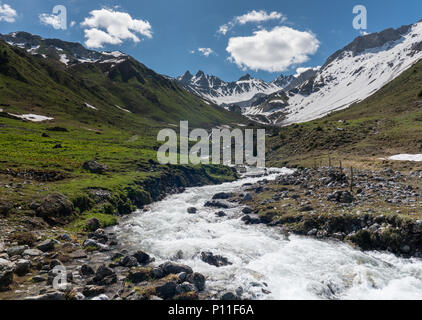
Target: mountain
<point>63,80</point>
<point>243,92</point>
<point>350,75</point>
<point>384,124</point>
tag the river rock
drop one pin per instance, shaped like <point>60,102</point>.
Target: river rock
<point>55,295</point>
<point>32,253</point>
<point>184,288</point>
<point>6,279</point>
<point>167,290</point>
<point>104,276</point>
<point>5,264</point>
<point>16,251</point>
<point>220,214</point>
<point>197,279</point>
<point>192,210</point>
<point>229,296</point>
<point>22,267</point>
<point>222,196</point>
<point>247,197</point>
<point>216,204</point>
<point>92,291</point>
<point>214,260</point>
<point>46,245</point>
<point>173,268</point>
<point>128,262</point>
<point>142,257</point>
<point>87,271</point>
<point>247,210</point>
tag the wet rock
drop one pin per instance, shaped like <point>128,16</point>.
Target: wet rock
<point>247,210</point>
<point>95,167</point>
<point>216,204</point>
<point>229,296</point>
<point>91,243</point>
<point>6,279</point>
<point>54,205</point>
<point>313,232</point>
<point>214,260</point>
<point>142,257</point>
<point>128,262</point>
<point>104,276</point>
<point>192,210</point>
<point>22,267</point>
<point>220,214</point>
<point>174,268</point>
<point>99,235</point>
<point>157,273</point>
<point>92,225</point>
<point>222,196</point>
<point>197,279</point>
<point>250,221</point>
<point>137,275</point>
<point>39,279</point>
<point>92,291</point>
<point>46,245</point>
<point>167,290</point>
<point>405,249</point>
<point>184,288</point>
<point>87,271</point>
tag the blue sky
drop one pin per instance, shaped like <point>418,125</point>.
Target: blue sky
<point>171,32</point>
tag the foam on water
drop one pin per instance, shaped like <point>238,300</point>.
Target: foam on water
<point>265,264</point>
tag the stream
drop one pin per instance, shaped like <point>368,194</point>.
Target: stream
<point>265,265</point>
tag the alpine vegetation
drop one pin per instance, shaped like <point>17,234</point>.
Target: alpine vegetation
<point>245,151</point>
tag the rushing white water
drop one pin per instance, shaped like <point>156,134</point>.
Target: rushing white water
<point>265,264</point>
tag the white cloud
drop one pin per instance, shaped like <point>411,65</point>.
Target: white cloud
<point>206,51</point>
<point>7,13</point>
<point>299,71</point>
<point>274,51</point>
<point>107,26</point>
<point>51,20</point>
<point>251,17</point>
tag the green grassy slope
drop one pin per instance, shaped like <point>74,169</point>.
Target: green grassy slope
<point>388,122</point>
<point>125,142</point>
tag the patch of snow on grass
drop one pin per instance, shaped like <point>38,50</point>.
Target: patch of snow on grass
<point>64,59</point>
<point>32,117</point>
<point>407,157</point>
<point>125,110</point>
<point>90,106</point>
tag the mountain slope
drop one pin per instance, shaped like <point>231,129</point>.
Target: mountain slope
<point>386,123</point>
<point>98,88</point>
<point>352,74</point>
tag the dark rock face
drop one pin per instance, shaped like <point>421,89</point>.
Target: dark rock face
<point>214,260</point>
<point>95,167</point>
<point>53,206</point>
<point>87,271</point>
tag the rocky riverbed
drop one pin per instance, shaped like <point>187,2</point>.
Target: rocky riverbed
<point>220,242</point>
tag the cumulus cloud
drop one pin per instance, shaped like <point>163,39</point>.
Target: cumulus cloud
<point>299,71</point>
<point>51,20</point>
<point>251,17</point>
<point>7,13</point>
<point>107,26</point>
<point>206,51</point>
<point>274,51</point>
